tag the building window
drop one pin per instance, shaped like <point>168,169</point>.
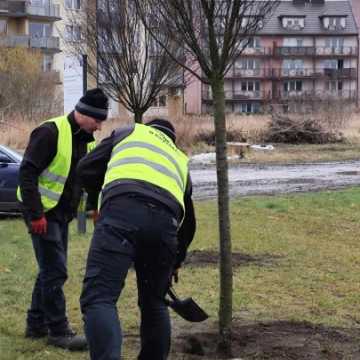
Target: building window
<point>334,22</point>
<point>73,4</point>
<point>40,3</point>
<point>40,30</point>
<point>334,85</point>
<point>160,101</point>
<point>248,64</point>
<point>333,64</point>
<point>293,23</point>
<point>3,27</point>
<point>47,62</point>
<point>334,42</point>
<point>293,86</point>
<point>293,67</point>
<point>254,43</point>
<point>108,6</point>
<point>72,33</point>
<point>293,64</point>
<point>250,86</point>
<point>293,42</point>
<point>248,108</point>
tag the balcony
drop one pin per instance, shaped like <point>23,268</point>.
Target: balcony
<point>281,73</point>
<point>294,51</point>
<point>236,95</point>
<point>49,43</point>
<point>274,73</point>
<point>284,51</point>
<point>257,51</point>
<point>4,7</point>
<point>337,50</point>
<point>306,73</point>
<point>47,11</point>
<point>236,72</point>
<point>310,73</point>
<point>316,95</point>
<point>14,41</point>
<point>22,9</point>
<point>347,73</point>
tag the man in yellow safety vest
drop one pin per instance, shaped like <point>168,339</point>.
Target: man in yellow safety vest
<point>146,218</point>
<point>50,195</point>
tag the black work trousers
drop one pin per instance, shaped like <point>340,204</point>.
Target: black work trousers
<point>131,230</point>
<point>48,300</point>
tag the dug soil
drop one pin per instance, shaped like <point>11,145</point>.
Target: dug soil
<point>205,258</point>
<point>277,340</point>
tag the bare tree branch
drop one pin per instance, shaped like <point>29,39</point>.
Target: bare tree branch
<point>129,65</point>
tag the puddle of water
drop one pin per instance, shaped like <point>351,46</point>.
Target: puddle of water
<point>348,173</point>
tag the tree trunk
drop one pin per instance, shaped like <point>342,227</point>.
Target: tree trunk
<point>226,276</point>
<point>138,117</point>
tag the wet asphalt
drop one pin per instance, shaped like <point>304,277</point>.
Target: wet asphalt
<point>252,179</point>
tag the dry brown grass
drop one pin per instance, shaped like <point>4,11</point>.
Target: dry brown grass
<point>352,129</point>
<point>15,133</point>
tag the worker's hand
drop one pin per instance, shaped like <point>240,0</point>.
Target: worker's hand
<point>95,216</point>
<point>39,226</point>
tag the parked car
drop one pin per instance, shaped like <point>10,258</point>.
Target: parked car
<point>9,169</point>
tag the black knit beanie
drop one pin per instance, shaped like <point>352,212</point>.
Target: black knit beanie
<point>94,104</point>
<point>165,126</point>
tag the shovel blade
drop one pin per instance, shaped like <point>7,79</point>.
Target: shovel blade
<point>189,310</point>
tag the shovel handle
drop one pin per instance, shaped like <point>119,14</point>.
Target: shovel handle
<point>172,294</point>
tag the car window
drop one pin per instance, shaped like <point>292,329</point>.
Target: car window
<point>12,154</point>
<point>5,158</point>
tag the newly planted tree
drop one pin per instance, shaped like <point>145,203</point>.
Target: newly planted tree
<point>212,35</point>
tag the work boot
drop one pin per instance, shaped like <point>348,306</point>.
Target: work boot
<point>36,332</point>
<point>68,340</point>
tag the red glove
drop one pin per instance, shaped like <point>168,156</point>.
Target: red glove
<point>95,216</point>
<point>39,226</point>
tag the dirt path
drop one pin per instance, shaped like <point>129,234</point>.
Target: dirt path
<point>277,179</point>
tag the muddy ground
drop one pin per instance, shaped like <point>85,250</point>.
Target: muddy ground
<point>277,179</point>
<point>205,258</point>
<point>277,340</point>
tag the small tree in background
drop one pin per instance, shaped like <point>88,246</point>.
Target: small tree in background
<point>212,34</point>
<point>130,66</point>
<point>26,91</point>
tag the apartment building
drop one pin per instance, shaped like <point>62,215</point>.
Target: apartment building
<point>30,24</point>
<point>356,11</point>
<point>307,50</point>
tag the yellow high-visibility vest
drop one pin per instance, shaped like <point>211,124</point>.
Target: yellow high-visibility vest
<point>147,154</point>
<point>52,180</point>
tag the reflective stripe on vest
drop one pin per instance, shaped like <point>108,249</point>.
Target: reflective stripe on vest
<point>91,146</point>
<point>149,155</point>
<point>52,180</point>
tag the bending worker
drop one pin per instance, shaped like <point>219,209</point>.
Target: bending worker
<point>50,197</point>
<point>146,218</point>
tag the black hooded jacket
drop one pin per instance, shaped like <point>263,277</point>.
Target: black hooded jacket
<point>41,150</point>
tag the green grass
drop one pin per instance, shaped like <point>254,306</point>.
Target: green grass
<point>312,241</point>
